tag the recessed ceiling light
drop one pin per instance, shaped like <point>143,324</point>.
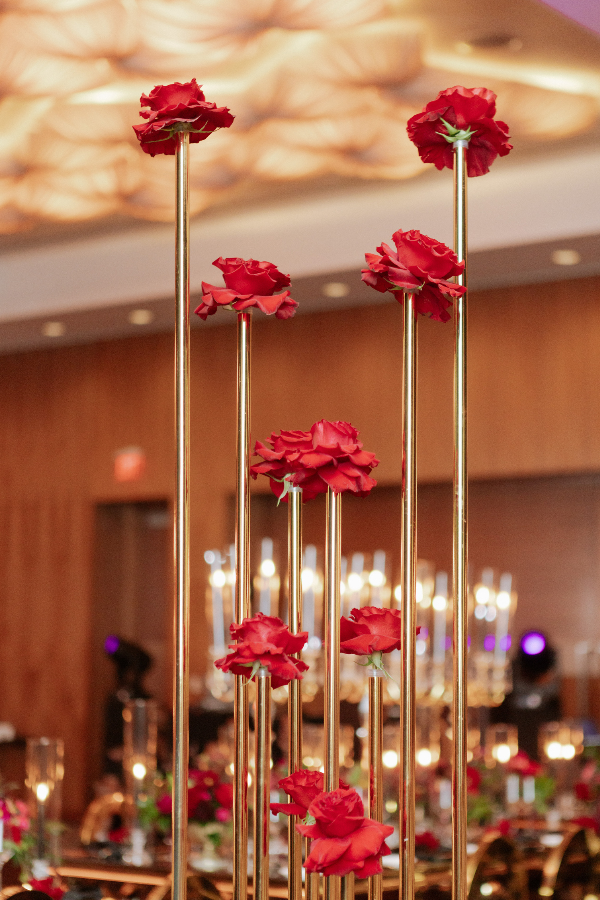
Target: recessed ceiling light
<point>141,316</point>
<point>495,41</point>
<point>53,329</point>
<point>335,289</point>
<point>566,257</point>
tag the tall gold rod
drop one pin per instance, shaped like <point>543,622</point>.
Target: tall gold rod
<point>375,766</point>
<point>409,605</point>
<point>182,522</point>
<point>333,544</point>
<point>262,776</point>
<point>460,547</point>
<point>242,609</point>
<point>294,688</point>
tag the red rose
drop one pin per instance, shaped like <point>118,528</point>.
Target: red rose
<point>328,456</point>
<point>583,791</point>
<point>164,805</point>
<point>426,840</point>
<point>178,107</point>
<point>343,840</point>
<point>266,641</point>
<point>203,778</point>
<point>371,630</point>
<point>303,787</point>
<point>421,266</point>
<point>248,283</point>
<point>473,780</point>
<point>470,114</point>
<point>224,795</point>
<point>522,764</point>
<point>47,886</point>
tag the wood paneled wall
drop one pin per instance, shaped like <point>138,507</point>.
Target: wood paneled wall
<point>535,410</point>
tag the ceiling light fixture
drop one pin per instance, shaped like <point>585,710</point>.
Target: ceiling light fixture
<point>53,329</point>
<point>335,289</point>
<point>566,257</point>
<point>141,316</point>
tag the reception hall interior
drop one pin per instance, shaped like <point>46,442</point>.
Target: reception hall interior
<point>316,171</point>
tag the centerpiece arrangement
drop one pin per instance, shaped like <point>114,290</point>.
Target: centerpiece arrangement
<point>457,130</point>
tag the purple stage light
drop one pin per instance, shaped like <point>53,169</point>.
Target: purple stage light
<point>505,642</point>
<point>489,642</point>
<point>533,643</point>
<point>424,633</point>
<point>448,642</point>
<point>111,644</point>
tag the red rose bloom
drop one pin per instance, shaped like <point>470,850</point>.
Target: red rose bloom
<point>303,787</point>
<point>328,456</point>
<point>371,630</point>
<point>343,840</point>
<point>224,795</point>
<point>178,107</point>
<point>522,764</point>
<point>470,114</point>
<point>265,641</point>
<point>473,780</point>
<point>248,283</point>
<point>583,791</point>
<point>47,886</point>
<point>426,840</point>
<point>420,266</point>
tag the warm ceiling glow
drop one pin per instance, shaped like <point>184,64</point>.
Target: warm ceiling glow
<point>566,257</point>
<point>53,329</point>
<point>336,289</point>
<point>141,316</point>
<point>319,88</point>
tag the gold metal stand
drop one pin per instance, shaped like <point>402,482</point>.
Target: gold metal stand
<point>182,522</point>
<point>262,776</point>
<point>242,609</point>
<point>459,713</point>
<point>347,890</point>
<point>409,605</point>
<point>333,546</point>
<point>375,765</point>
<point>312,882</point>
<point>295,695</point>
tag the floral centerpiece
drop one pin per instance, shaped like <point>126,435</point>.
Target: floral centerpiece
<point>210,805</point>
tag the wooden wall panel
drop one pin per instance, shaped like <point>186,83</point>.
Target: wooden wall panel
<point>535,408</point>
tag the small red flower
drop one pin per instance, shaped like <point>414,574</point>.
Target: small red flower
<point>460,113</point>
<point>224,795</point>
<point>248,283</point>
<point>343,840</point>
<point>174,108</point>
<point>421,266</point>
<point>583,791</point>
<point>328,456</point>
<point>265,641</point>
<point>473,780</point>
<point>47,886</point>
<point>303,787</point>
<point>426,840</point>
<point>522,764</point>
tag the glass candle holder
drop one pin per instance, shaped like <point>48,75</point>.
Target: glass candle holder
<point>44,765</point>
<point>501,744</point>
<point>140,733</point>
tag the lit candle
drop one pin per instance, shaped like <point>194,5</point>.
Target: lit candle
<point>42,793</point>
<point>217,581</point>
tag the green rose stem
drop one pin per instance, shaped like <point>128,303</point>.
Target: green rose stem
<point>294,689</point>
<point>460,527</point>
